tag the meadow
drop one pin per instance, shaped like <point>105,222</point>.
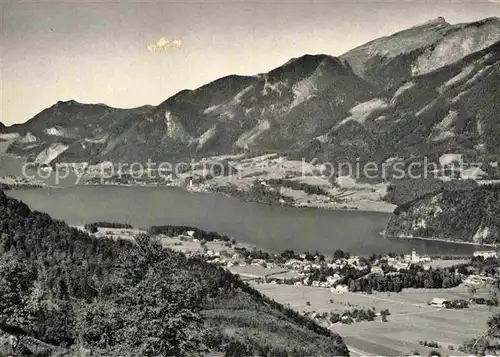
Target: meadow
<point>411,319</point>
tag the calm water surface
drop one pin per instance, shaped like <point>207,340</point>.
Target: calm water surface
<point>272,228</point>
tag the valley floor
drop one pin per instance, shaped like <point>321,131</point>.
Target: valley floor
<point>411,319</point>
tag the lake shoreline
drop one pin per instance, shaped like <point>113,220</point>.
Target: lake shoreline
<point>354,201</point>
<point>353,208</point>
<point>406,238</point>
<point>269,227</point>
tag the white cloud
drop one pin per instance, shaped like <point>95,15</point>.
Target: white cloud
<point>163,44</point>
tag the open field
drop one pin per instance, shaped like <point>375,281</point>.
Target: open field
<point>411,319</point>
<point>442,263</point>
<point>252,271</point>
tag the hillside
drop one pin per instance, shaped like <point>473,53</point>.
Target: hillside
<point>65,293</point>
<point>451,110</point>
<point>288,105</point>
<point>2,127</point>
<point>71,131</point>
<point>401,192</point>
<point>276,110</point>
<point>392,60</point>
<point>466,215</point>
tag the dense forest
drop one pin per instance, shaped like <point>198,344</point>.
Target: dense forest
<point>414,277</point>
<point>299,186</point>
<point>471,215</point>
<point>92,227</point>
<point>65,293</point>
<point>173,231</point>
<point>400,192</point>
<point>256,193</point>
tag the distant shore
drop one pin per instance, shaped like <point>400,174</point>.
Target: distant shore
<point>439,240</point>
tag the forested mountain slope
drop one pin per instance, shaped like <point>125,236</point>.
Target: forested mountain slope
<point>467,215</point>
<point>63,292</point>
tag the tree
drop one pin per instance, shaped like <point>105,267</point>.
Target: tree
<point>237,349</point>
<point>384,313</point>
<point>487,343</point>
<point>92,228</point>
<point>339,254</point>
<point>472,289</point>
<point>334,318</point>
<point>495,291</point>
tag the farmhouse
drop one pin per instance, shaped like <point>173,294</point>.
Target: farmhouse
<point>438,302</point>
<point>485,254</point>
<point>339,289</point>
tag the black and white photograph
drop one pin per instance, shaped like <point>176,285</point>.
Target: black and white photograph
<point>249,178</point>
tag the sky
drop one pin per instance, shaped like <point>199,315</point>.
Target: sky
<point>128,54</point>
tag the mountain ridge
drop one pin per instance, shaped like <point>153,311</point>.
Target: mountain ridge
<point>298,99</point>
<point>444,111</point>
<point>420,49</point>
<point>311,106</point>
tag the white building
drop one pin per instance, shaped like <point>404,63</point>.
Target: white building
<point>486,254</point>
<point>333,279</point>
<point>438,302</point>
<point>415,258</point>
<point>401,265</point>
<point>354,260</point>
<point>341,288</point>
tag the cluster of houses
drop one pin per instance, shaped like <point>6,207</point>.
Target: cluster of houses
<point>299,271</point>
<point>486,254</point>
<point>479,280</point>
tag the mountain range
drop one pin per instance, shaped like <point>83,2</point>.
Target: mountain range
<point>428,90</point>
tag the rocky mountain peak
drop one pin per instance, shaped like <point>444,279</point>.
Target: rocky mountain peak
<point>437,21</point>
<point>420,49</point>
<point>70,102</point>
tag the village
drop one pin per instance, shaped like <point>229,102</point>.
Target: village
<point>393,304</point>
<point>393,322</point>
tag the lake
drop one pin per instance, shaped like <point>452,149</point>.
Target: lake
<point>272,228</point>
